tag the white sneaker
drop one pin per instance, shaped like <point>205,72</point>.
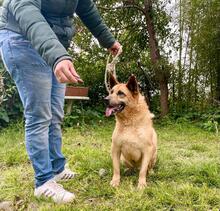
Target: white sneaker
<point>55,191</point>
<point>65,175</point>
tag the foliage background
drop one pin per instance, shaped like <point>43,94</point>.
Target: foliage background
<point>188,39</point>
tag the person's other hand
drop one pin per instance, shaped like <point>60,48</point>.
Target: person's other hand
<point>66,73</point>
<point>115,48</point>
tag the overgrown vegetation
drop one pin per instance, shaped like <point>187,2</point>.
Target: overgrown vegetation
<point>187,38</point>
<point>186,176</point>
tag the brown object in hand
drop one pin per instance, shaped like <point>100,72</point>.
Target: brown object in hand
<point>79,80</point>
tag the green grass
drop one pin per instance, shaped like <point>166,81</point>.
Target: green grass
<point>186,177</point>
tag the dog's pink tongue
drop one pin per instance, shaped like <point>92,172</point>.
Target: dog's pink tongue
<point>108,112</point>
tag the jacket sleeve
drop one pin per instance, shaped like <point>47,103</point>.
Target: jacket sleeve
<point>90,16</point>
<point>35,27</point>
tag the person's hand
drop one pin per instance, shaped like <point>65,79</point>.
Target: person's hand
<point>66,73</point>
<point>115,48</point>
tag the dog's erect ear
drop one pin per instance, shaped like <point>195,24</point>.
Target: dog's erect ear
<point>132,84</point>
<point>112,80</point>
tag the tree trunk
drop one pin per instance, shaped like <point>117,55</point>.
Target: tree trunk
<point>190,83</point>
<point>147,93</point>
<point>217,96</point>
<point>180,73</point>
<point>155,58</point>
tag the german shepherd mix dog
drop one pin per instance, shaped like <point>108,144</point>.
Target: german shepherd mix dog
<point>134,140</point>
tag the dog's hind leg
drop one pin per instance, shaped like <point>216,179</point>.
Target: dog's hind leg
<point>145,162</point>
<point>154,154</point>
<point>153,160</point>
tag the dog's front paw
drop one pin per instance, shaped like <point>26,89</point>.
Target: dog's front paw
<point>115,183</point>
<point>142,184</point>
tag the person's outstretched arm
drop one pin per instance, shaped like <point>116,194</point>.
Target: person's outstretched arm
<point>90,16</point>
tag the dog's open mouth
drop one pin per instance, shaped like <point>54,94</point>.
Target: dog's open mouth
<point>112,109</point>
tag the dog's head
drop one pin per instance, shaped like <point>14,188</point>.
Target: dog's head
<point>121,96</point>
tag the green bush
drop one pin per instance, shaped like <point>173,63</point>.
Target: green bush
<point>84,115</point>
<point>11,107</point>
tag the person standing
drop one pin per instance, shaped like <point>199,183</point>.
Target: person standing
<point>34,37</point>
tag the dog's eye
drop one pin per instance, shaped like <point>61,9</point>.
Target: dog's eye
<point>121,94</point>
<point>111,92</point>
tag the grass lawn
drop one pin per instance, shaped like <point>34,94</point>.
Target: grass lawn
<point>186,177</point>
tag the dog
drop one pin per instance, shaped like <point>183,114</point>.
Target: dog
<point>134,140</point>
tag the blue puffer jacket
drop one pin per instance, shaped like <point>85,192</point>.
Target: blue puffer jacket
<point>48,24</point>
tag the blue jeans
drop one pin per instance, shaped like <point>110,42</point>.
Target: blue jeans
<point>42,97</point>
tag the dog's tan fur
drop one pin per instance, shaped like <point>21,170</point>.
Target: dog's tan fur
<point>134,140</point>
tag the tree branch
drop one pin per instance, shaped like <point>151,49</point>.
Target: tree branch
<point>147,5</point>
<point>133,6</point>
